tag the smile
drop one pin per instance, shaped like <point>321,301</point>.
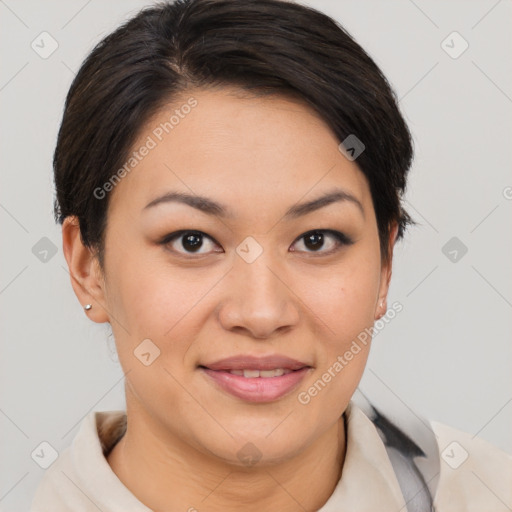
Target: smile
<point>256,385</point>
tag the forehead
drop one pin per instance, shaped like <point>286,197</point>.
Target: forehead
<point>239,147</point>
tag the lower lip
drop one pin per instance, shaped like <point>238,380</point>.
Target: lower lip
<point>257,389</point>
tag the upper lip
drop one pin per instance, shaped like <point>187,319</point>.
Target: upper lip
<point>247,362</point>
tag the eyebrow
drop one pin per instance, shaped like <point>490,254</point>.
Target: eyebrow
<point>211,207</point>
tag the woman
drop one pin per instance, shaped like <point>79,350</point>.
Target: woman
<point>229,180</point>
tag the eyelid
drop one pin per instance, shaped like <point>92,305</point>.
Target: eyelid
<point>167,239</point>
<point>176,234</point>
<point>341,240</point>
<point>333,232</point>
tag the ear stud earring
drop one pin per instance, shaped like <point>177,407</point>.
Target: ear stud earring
<point>87,307</point>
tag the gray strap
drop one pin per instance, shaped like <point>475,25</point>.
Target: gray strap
<point>412,449</point>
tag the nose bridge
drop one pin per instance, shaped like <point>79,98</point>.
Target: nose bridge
<point>258,298</point>
<point>259,276</point>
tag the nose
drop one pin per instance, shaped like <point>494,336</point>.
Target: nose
<point>259,300</point>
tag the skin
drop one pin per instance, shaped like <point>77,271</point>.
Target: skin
<point>258,157</point>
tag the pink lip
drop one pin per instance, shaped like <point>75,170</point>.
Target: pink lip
<point>257,389</point>
<point>247,362</point>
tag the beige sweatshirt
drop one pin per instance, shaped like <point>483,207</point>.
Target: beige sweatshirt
<point>81,480</point>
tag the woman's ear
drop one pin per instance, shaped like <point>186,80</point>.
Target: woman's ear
<point>385,275</point>
<point>84,270</point>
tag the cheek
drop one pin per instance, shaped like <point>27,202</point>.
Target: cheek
<point>142,293</point>
<point>344,296</point>
<point>158,302</point>
<point>345,303</point>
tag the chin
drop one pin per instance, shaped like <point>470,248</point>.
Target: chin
<point>248,449</point>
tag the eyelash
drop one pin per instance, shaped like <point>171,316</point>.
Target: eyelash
<point>340,238</point>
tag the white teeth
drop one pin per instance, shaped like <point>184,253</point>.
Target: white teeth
<point>272,373</point>
<point>261,373</point>
<point>251,373</point>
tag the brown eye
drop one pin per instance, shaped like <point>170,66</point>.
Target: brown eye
<point>316,240</point>
<point>187,242</point>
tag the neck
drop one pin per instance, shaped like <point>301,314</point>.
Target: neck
<point>166,473</point>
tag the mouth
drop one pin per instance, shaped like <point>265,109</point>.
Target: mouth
<point>256,363</point>
<point>256,379</point>
<point>254,374</point>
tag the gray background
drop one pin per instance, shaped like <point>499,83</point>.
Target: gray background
<point>447,354</point>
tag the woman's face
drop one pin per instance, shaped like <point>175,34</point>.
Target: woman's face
<point>254,283</point>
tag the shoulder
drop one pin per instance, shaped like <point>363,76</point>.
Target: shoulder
<point>80,478</point>
<point>475,475</point>
<point>52,492</point>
